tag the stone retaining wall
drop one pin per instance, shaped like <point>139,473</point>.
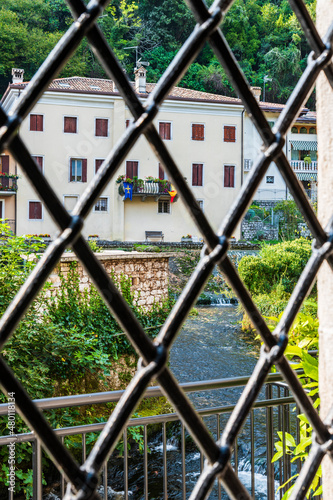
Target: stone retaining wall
<point>149,273</point>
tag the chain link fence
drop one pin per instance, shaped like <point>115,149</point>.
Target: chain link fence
<point>82,480</point>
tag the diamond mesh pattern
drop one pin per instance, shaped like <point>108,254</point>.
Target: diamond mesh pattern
<point>82,481</point>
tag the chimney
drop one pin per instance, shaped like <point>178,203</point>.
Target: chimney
<point>140,79</point>
<point>256,91</point>
<point>17,75</point>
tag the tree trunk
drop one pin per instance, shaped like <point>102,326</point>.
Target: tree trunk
<point>325,210</point>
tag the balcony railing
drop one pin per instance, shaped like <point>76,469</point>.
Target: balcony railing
<point>148,188</point>
<point>177,461</point>
<point>302,166</point>
<point>8,183</point>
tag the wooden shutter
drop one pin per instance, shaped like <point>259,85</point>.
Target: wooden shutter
<point>101,127</point>
<point>71,170</point>
<point>39,161</point>
<point>198,132</point>
<point>35,210</point>
<point>84,170</point>
<point>98,163</point>
<point>197,174</point>
<point>4,167</point>
<point>167,131</point>
<point>229,134</point>
<point>162,129</point>
<point>70,124</point>
<point>161,173</point>
<point>128,123</point>
<point>37,123</point>
<point>229,176</point>
<point>132,169</point>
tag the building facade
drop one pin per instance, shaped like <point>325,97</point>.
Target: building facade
<point>78,121</point>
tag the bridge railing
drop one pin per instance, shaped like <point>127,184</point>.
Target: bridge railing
<point>270,414</point>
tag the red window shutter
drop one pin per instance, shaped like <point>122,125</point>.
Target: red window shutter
<point>127,123</point>
<point>229,176</point>
<point>98,163</point>
<point>101,127</point>
<point>4,167</point>
<point>167,131</point>
<point>162,129</point>
<point>71,170</point>
<point>35,210</point>
<point>160,172</point>
<point>39,161</point>
<point>132,169</point>
<point>229,134</point>
<point>84,170</point>
<point>39,123</point>
<point>70,124</point>
<point>200,174</point>
<point>232,176</point>
<point>198,133</point>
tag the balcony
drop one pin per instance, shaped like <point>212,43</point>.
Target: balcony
<point>8,184</point>
<point>299,166</point>
<point>146,188</point>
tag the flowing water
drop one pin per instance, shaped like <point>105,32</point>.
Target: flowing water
<point>209,346</point>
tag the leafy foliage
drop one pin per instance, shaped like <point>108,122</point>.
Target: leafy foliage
<point>264,35</point>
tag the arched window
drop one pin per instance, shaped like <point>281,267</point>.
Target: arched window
<point>303,130</point>
<point>312,130</point>
<point>294,130</point>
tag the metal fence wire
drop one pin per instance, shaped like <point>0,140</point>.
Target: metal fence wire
<point>82,480</point>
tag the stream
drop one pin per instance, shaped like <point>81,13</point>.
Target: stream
<point>209,346</point>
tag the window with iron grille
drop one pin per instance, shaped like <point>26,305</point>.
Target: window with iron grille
<point>70,124</point>
<point>78,170</point>
<point>229,133</point>
<point>270,179</point>
<point>36,123</point>
<point>198,132</point>
<point>165,130</point>
<point>197,174</point>
<point>35,210</point>
<point>163,207</point>
<point>229,176</point>
<point>101,127</point>
<point>132,168</point>
<point>101,205</point>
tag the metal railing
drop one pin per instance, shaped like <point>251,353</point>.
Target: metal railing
<point>275,411</point>
<point>302,166</point>
<point>147,188</point>
<point>82,480</point>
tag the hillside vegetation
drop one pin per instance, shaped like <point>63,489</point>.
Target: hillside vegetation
<point>264,35</point>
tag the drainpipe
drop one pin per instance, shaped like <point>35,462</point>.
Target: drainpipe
<point>325,209</point>
<point>242,147</point>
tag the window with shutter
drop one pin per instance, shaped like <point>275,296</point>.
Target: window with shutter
<point>98,163</point>
<point>40,161</point>
<point>132,168</point>
<point>165,130</point>
<point>128,123</point>
<point>70,124</point>
<point>35,210</point>
<point>229,176</point>
<point>161,173</point>
<point>78,170</point>
<point>198,132</point>
<point>101,127</point>
<point>229,133</point>
<point>4,167</point>
<point>36,123</point>
<point>197,170</point>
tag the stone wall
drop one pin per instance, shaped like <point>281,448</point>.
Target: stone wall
<point>252,230</point>
<point>149,273</point>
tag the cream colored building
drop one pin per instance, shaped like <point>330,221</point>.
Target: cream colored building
<point>300,143</point>
<point>76,123</point>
